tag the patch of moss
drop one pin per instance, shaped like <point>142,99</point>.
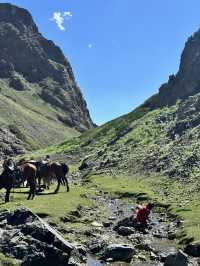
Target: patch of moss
<point>5,261</point>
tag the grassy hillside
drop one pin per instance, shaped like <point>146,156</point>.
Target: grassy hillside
<point>163,141</point>
<point>31,120</point>
<point>157,150</point>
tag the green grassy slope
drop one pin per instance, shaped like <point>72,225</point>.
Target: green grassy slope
<point>161,147</point>
<point>164,141</point>
<point>30,119</point>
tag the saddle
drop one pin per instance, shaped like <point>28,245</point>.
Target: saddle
<point>42,167</point>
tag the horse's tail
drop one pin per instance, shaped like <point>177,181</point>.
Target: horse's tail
<point>65,169</point>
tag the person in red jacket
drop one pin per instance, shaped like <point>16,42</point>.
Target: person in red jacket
<point>143,212</point>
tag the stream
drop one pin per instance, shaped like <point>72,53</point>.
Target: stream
<point>151,248</point>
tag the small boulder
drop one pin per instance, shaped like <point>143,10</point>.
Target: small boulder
<point>95,245</point>
<point>193,249</point>
<point>107,224</point>
<point>176,259</point>
<point>125,231</point>
<point>119,252</point>
<point>96,224</point>
<point>127,222</point>
<point>84,165</point>
<point>20,216</point>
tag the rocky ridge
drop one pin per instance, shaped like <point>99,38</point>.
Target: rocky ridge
<point>186,82</point>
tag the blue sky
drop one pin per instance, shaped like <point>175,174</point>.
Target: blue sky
<point>121,51</point>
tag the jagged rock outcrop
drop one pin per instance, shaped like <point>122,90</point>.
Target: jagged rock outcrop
<point>25,237</point>
<point>186,82</point>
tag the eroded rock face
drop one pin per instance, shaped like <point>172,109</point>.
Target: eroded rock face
<point>27,238</point>
<point>186,82</point>
<point>26,57</point>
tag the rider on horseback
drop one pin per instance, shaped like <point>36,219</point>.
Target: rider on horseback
<point>8,164</point>
<point>47,159</point>
<point>13,171</point>
<point>41,165</point>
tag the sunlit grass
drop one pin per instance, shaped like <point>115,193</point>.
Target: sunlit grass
<point>53,205</point>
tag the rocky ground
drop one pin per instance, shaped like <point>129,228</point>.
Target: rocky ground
<point>105,235</point>
<point>95,235</point>
<point>29,240</point>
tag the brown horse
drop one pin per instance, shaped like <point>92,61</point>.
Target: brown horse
<point>52,170</point>
<point>7,179</point>
<point>29,172</point>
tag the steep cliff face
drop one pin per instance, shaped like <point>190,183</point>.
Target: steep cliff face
<point>35,75</point>
<point>186,82</point>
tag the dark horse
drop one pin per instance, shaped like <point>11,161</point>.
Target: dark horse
<point>8,179</point>
<point>51,170</point>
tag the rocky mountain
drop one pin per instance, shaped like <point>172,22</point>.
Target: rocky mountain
<point>187,80</point>
<point>160,137</point>
<point>40,101</point>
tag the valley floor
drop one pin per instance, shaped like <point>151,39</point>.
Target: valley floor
<point>87,205</point>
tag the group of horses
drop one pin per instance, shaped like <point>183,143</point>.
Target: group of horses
<point>33,172</point>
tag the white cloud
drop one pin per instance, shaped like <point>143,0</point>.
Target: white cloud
<point>59,18</point>
<point>67,14</point>
<point>89,45</point>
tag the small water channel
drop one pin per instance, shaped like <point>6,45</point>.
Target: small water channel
<point>156,237</point>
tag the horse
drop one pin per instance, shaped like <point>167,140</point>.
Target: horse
<point>29,172</point>
<point>51,170</point>
<point>7,179</point>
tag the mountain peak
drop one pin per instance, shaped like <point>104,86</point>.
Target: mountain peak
<point>187,80</point>
<point>15,14</point>
<point>36,77</point>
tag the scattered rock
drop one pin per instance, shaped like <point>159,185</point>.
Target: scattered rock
<point>95,245</point>
<point>76,213</point>
<point>119,252</point>
<point>171,235</point>
<point>193,250</point>
<point>68,218</point>
<point>112,218</point>
<point>144,246</point>
<point>153,256</point>
<point>125,231</point>
<point>126,222</point>
<point>107,224</point>
<point>96,224</point>
<point>176,259</point>
<point>142,257</point>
